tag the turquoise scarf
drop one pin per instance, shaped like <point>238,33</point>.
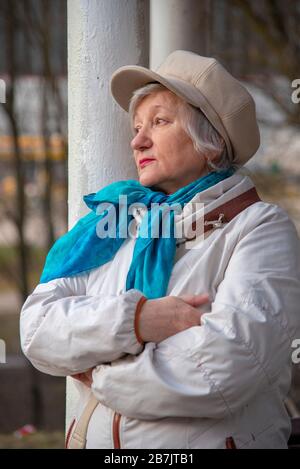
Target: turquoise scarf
<point>81,249</point>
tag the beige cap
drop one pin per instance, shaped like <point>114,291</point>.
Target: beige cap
<point>204,83</point>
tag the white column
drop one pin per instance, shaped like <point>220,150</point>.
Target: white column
<point>102,36</point>
<point>177,24</point>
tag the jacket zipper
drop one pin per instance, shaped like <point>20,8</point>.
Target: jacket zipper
<point>116,430</point>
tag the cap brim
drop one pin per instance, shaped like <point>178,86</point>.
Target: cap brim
<point>127,79</point>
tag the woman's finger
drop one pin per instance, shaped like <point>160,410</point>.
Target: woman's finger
<point>195,300</point>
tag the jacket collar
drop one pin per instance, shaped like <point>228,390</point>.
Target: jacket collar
<point>212,197</point>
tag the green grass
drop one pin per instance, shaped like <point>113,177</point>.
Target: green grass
<point>39,440</point>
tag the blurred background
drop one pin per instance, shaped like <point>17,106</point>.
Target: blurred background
<point>259,43</point>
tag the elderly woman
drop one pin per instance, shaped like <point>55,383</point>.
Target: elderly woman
<point>178,341</point>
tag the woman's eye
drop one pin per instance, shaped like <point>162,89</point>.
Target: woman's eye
<point>159,120</point>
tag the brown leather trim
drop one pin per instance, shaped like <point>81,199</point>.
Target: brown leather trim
<point>138,311</point>
<point>230,209</point>
<point>69,432</point>
<point>116,430</point>
<point>230,443</point>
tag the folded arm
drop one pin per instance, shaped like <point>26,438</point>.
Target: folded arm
<point>64,331</point>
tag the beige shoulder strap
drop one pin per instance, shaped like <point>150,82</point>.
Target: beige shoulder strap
<point>78,436</point>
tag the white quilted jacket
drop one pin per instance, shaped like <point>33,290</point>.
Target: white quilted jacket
<point>225,378</point>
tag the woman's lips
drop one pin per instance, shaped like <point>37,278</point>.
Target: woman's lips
<point>146,161</point>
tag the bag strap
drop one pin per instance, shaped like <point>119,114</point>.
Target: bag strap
<point>226,212</point>
<point>78,437</point>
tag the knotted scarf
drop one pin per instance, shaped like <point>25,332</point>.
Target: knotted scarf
<point>82,249</point>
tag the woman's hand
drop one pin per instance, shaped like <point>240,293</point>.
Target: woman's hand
<point>160,319</point>
<point>85,377</point>
<point>164,317</point>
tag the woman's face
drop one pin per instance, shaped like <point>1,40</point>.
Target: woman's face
<point>164,154</point>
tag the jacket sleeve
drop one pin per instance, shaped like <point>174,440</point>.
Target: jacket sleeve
<point>63,331</point>
<point>240,350</point>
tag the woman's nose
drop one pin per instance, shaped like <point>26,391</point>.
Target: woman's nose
<point>141,141</point>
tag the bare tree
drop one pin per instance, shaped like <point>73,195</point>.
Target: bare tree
<point>23,18</point>
<point>38,29</point>
<point>16,214</point>
<point>274,28</point>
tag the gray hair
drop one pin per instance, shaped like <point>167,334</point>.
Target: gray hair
<point>206,140</point>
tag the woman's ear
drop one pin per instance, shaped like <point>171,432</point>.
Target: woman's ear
<point>214,156</point>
